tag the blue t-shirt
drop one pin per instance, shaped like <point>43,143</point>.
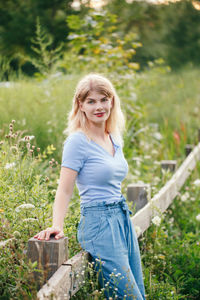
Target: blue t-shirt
<point>99,173</point>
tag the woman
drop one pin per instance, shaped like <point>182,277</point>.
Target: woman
<point>93,157</point>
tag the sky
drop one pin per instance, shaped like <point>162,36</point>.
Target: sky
<point>99,3</point>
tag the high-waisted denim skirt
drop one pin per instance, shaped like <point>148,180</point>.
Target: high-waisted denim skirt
<point>107,233</point>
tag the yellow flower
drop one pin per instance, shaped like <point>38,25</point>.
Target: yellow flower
<point>161,256</point>
<point>1,210</point>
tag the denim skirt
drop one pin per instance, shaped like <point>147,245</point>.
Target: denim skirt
<point>107,233</point>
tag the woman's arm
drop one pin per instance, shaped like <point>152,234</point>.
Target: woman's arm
<point>60,207</point>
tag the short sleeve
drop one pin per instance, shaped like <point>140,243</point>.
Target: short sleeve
<point>74,152</point>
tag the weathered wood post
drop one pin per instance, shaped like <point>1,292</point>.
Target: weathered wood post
<point>199,134</point>
<point>168,165</point>
<point>188,149</point>
<point>139,194</point>
<point>50,255</point>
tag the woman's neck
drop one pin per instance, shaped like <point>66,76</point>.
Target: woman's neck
<point>97,132</point>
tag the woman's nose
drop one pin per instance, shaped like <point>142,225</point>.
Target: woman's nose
<point>99,106</point>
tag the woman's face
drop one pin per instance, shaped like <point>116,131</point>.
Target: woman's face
<point>96,107</point>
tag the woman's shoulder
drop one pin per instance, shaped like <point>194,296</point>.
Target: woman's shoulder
<point>77,138</point>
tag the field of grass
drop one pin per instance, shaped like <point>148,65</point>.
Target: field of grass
<point>162,111</point>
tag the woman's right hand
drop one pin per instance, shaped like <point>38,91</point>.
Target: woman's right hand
<point>45,234</point>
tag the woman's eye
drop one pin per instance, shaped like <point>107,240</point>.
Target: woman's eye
<point>91,101</point>
<point>105,99</point>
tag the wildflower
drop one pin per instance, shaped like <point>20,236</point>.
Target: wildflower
<point>24,206</point>
<point>154,152</point>
<point>157,136</point>
<point>1,210</point>
<point>4,243</point>
<point>156,221</point>
<point>147,157</point>
<point>196,182</point>
<point>185,196</point>
<point>198,217</point>
<point>8,166</point>
<point>29,220</point>
<point>138,230</point>
<point>156,179</point>
<point>176,137</point>
<point>161,256</point>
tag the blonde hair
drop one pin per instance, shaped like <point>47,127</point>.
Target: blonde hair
<point>77,120</point>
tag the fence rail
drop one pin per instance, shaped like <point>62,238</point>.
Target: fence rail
<point>64,283</point>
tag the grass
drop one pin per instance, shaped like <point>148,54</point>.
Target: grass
<point>161,110</point>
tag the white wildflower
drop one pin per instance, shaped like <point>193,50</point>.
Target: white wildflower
<point>4,243</point>
<point>156,179</point>
<point>185,196</point>
<point>133,96</point>
<point>24,206</point>
<point>154,152</point>
<point>11,165</point>
<point>137,172</point>
<point>198,217</point>
<point>156,221</point>
<point>147,157</point>
<point>138,230</point>
<point>29,220</point>
<point>197,182</point>
<point>157,136</point>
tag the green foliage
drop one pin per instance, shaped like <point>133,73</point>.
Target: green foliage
<point>171,251</point>
<point>28,182</point>
<point>168,30</point>
<point>47,57</point>
<point>96,44</point>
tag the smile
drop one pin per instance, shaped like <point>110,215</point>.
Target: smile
<point>99,114</point>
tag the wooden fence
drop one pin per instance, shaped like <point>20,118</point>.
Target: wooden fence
<point>63,276</point>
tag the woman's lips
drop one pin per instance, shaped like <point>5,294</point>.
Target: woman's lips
<point>99,114</point>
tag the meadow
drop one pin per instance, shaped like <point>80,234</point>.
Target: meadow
<point>162,110</point>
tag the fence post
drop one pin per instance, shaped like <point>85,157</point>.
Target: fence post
<point>139,194</point>
<point>168,165</point>
<point>49,255</point>
<point>199,134</point>
<point>188,149</point>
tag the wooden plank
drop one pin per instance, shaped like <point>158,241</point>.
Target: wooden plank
<point>67,280</point>
<point>161,201</point>
<point>49,255</point>
<point>58,286</point>
<point>168,165</point>
<point>78,269</point>
<point>139,194</point>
